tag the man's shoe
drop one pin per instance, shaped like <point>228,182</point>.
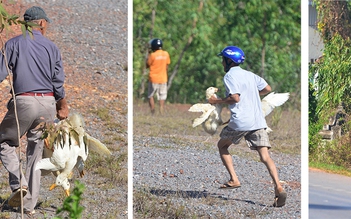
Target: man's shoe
<point>15,198</point>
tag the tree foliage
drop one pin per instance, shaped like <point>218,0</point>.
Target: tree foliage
<point>194,32</point>
<point>332,69</point>
<point>334,78</point>
<point>334,18</point>
<point>7,20</point>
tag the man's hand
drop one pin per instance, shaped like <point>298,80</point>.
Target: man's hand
<point>62,109</point>
<point>234,98</point>
<point>213,99</point>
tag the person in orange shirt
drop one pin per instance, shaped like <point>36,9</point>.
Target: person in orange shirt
<point>158,62</point>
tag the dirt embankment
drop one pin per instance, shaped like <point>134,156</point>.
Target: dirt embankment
<point>92,37</point>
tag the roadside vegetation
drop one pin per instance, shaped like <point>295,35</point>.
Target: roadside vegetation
<point>329,89</point>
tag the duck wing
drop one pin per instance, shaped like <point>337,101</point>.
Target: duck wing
<point>206,110</point>
<point>273,100</point>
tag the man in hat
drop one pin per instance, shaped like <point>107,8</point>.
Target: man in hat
<point>38,79</point>
<point>158,61</point>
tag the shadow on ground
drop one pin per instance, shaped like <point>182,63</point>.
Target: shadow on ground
<point>198,195</point>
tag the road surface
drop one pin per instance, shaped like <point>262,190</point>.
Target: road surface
<point>329,195</point>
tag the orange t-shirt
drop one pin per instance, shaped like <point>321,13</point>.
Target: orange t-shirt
<point>157,63</point>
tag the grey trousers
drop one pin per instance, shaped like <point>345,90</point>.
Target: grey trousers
<point>31,111</point>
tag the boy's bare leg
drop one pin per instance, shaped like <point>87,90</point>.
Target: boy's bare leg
<point>227,160</point>
<point>267,160</point>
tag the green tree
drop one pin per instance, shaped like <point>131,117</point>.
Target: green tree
<point>333,67</point>
<point>194,32</point>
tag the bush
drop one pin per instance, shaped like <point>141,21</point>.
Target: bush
<point>71,203</point>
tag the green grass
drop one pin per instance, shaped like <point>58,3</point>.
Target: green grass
<point>103,113</point>
<point>330,168</point>
<point>111,167</point>
<point>5,215</point>
<point>105,116</point>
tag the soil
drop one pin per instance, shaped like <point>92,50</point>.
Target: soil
<point>92,37</point>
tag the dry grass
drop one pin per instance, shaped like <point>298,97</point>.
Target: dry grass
<point>176,124</point>
<point>150,206</point>
<point>143,121</point>
<point>113,168</point>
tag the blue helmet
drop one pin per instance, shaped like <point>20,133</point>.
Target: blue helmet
<point>234,53</point>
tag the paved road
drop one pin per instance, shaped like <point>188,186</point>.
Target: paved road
<point>329,196</point>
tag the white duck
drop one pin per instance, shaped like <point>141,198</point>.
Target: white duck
<point>67,146</point>
<point>211,114</point>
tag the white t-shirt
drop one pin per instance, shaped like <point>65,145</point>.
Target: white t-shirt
<point>247,115</point>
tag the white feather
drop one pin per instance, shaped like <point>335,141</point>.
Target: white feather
<point>96,146</point>
<point>205,108</point>
<point>273,100</point>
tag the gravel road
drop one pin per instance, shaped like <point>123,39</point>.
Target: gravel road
<point>188,173</point>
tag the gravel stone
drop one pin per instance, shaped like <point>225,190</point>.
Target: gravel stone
<point>190,175</point>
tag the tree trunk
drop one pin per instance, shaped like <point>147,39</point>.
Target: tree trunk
<point>263,50</point>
